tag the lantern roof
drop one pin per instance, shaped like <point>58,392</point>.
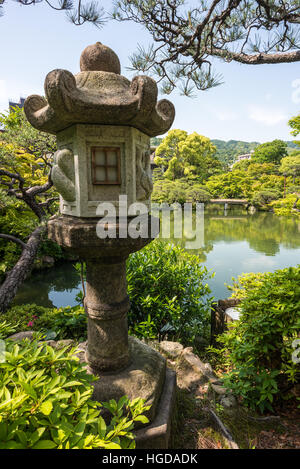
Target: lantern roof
<point>99,94</point>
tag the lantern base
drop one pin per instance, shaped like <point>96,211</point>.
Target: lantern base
<point>146,377</point>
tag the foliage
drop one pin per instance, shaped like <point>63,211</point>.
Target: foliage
<point>6,329</point>
<point>62,323</point>
<point>245,283</point>
<point>290,165</point>
<point>270,152</point>
<point>259,345</point>
<point>294,123</point>
<point>179,191</point>
<point>264,197</point>
<point>25,162</point>
<point>182,155</point>
<point>45,403</point>
<point>168,293</point>
<point>234,184</point>
<point>187,37</point>
<point>288,206</point>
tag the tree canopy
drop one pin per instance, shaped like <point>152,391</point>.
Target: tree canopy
<point>188,36</point>
<point>190,156</point>
<point>270,152</point>
<point>290,165</point>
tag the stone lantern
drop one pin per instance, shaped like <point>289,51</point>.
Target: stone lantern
<point>103,123</point>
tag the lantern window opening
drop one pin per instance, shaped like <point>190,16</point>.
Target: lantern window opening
<point>106,165</point>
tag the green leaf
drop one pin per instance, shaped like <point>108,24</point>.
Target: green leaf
<point>45,444</point>
<point>46,407</point>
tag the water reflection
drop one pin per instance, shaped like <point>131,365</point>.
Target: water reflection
<point>234,242</point>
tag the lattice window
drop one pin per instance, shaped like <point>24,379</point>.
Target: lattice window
<point>106,165</point>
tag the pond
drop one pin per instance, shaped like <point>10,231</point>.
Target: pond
<point>234,242</point>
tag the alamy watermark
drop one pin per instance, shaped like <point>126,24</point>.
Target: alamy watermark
<point>2,351</point>
<point>134,221</point>
<point>296,353</point>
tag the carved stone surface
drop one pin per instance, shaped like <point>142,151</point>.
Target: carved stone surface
<point>144,185</point>
<point>63,174</point>
<point>79,236</point>
<point>99,95</point>
<point>72,172</point>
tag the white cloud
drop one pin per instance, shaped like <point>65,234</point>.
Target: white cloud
<point>267,116</point>
<point>260,262</point>
<point>226,115</point>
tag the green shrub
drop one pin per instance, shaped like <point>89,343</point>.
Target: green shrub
<point>286,206</point>
<point>62,323</point>
<point>6,329</point>
<point>264,197</point>
<point>168,293</point>
<point>259,345</point>
<point>45,403</point>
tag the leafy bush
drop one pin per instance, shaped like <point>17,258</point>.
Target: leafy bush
<point>62,323</point>
<point>45,403</point>
<point>286,206</point>
<point>293,189</point>
<point>264,197</point>
<point>259,345</point>
<point>168,293</point>
<point>7,329</point>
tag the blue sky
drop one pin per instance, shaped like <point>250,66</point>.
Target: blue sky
<point>253,104</point>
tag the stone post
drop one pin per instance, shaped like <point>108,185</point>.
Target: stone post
<point>106,305</point>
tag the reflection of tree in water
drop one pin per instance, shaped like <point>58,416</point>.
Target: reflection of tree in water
<point>264,231</point>
<point>36,289</point>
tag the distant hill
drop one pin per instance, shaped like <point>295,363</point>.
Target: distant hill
<point>227,152</point>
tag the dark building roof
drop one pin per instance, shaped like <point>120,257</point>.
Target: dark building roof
<point>20,104</point>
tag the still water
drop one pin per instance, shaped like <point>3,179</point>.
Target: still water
<point>234,242</point>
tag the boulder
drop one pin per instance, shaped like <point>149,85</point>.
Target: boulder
<point>170,349</point>
<point>21,335</point>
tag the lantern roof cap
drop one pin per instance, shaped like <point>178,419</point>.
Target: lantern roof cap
<point>99,94</point>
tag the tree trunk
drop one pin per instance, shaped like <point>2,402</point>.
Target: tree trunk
<point>20,271</point>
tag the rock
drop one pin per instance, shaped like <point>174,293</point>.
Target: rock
<point>198,366</point>
<point>219,389</point>
<point>170,349</point>
<point>228,402</point>
<point>192,372</point>
<point>21,335</point>
<point>58,344</point>
<point>251,209</point>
